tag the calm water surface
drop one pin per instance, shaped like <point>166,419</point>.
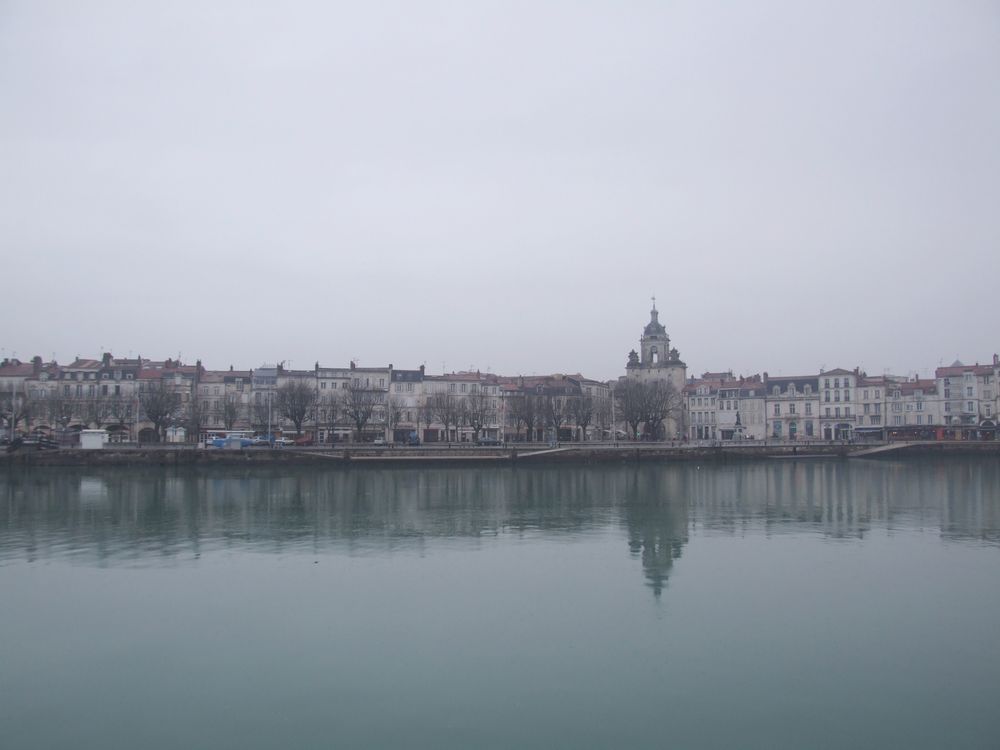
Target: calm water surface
<point>771,605</point>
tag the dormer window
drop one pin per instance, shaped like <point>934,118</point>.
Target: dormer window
<point>776,390</point>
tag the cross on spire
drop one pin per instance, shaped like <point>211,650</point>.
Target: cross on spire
<point>654,301</point>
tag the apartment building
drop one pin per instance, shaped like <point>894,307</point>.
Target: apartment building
<point>793,409</point>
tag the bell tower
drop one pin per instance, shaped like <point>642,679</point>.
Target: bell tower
<point>655,343</point>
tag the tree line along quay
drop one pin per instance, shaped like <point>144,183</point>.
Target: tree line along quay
<point>141,401</point>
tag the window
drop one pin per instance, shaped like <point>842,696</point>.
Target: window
<point>836,396</point>
<point>828,411</point>
<point>920,405</point>
<point>969,406</point>
<point>826,396</point>
<point>836,412</point>
<point>847,411</point>
<point>897,407</point>
<point>867,408</point>
<point>776,390</point>
<point>809,411</point>
<point>807,389</point>
<point>777,410</point>
<point>897,420</point>
<point>847,395</point>
<point>791,408</point>
<point>920,419</point>
<point>836,382</point>
<point>947,392</point>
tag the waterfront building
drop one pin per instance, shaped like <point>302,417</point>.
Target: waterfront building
<point>719,406</point>
<point>792,406</point>
<point>968,395</point>
<point>405,405</point>
<point>913,409</point>
<point>838,406</point>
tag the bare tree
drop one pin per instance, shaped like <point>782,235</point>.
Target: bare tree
<point>524,408</point>
<point>160,404</point>
<point>478,411</point>
<point>581,409</point>
<point>260,415</point>
<point>447,410</point>
<point>96,411</point>
<point>18,408</point>
<point>330,412</point>
<point>296,401</point>
<point>231,410</point>
<point>662,401</point>
<point>393,414</point>
<point>630,395</point>
<point>61,409</point>
<point>119,411</point>
<point>556,412</point>
<point>195,417</point>
<point>359,405</point>
<point>425,413</point>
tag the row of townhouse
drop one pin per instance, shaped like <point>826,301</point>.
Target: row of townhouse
<point>337,403</point>
<point>961,401</point>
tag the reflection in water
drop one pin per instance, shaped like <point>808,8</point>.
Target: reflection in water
<point>119,515</point>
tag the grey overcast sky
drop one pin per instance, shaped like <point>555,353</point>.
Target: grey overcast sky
<point>502,185</point>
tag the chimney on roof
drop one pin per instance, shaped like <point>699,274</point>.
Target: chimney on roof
<point>765,374</point>
<point>353,366</point>
<point>421,369</point>
<point>36,365</point>
<point>230,368</point>
<point>106,359</point>
<point>317,367</point>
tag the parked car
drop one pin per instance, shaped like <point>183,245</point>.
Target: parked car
<point>379,441</point>
<point>304,440</point>
<point>282,442</point>
<point>488,441</point>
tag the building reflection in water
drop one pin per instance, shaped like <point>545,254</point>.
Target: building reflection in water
<point>144,516</point>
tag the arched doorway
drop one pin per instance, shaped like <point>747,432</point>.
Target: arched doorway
<point>148,435</point>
